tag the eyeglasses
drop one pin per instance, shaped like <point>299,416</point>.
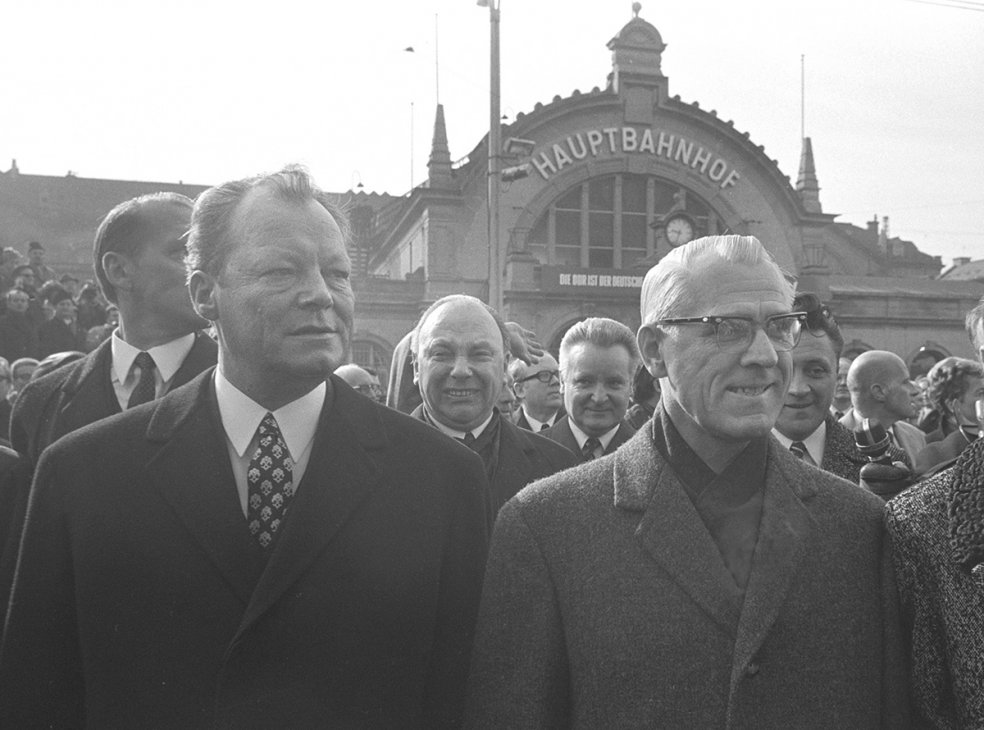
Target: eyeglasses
<point>544,376</point>
<point>372,389</point>
<point>732,333</point>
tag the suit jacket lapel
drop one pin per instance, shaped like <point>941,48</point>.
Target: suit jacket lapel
<point>193,474</point>
<point>786,528</point>
<point>512,472</point>
<point>672,532</point>
<point>340,475</point>
<point>88,393</point>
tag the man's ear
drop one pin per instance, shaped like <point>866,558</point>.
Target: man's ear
<point>202,288</point>
<point>877,392</point>
<point>118,269</point>
<point>649,339</point>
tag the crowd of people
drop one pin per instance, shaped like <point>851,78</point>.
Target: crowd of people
<point>214,519</point>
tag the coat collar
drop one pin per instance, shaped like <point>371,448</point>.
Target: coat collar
<point>965,508</point>
<point>673,534</point>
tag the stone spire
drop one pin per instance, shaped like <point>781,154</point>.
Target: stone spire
<point>439,164</point>
<point>806,184</point>
<point>637,52</point>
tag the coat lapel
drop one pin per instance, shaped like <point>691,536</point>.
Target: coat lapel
<point>514,467</point>
<point>88,393</point>
<point>192,472</point>
<point>340,476</point>
<point>785,529</point>
<point>672,532</point>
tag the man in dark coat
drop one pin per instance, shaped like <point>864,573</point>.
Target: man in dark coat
<point>459,360</point>
<point>701,576</point>
<point>137,254</point>
<point>937,528</point>
<point>260,548</point>
<point>597,365</point>
<point>61,333</point>
<point>537,386</point>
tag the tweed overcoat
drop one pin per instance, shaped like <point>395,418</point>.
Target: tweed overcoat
<point>141,600</point>
<point>937,528</point>
<point>607,605</point>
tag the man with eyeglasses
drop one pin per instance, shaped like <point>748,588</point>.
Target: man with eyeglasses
<point>537,387</point>
<point>361,381</point>
<point>702,576</point>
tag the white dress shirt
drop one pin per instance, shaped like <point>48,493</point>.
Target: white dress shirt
<point>536,425</point>
<point>241,416</point>
<point>476,432</point>
<point>581,437</point>
<point>815,443</point>
<point>167,360</point>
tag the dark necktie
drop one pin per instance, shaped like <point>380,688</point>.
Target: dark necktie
<point>270,478</point>
<point>798,449</point>
<point>468,440</point>
<point>544,426</point>
<point>146,387</point>
<point>589,448</point>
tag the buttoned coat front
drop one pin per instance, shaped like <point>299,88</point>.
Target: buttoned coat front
<point>141,600</point>
<point>607,605</point>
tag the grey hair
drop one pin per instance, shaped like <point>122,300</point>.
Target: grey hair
<point>601,332</point>
<point>211,234</point>
<point>667,288</point>
<point>975,325</point>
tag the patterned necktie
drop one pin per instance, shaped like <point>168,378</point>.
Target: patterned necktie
<point>798,449</point>
<point>146,387</point>
<point>589,448</point>
<point>270,478</point>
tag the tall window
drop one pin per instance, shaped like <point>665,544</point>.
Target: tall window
<point>613,221</point>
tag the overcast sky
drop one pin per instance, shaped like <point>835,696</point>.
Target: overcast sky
<point>207,90</point>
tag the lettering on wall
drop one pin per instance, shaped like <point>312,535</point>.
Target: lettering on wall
<point>629,140</point>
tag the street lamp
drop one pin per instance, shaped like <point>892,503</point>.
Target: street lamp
<point>495,142</point>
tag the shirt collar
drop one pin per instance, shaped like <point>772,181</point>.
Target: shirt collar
<point>605,438</point>
<point>241,415</point>
<point>537,425</point>
<point>476,432</point>
<point>814,443</point>
<point>167,357</point>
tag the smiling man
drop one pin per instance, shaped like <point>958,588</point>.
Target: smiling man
<point>262,547</point>
<point>806,425</point>
<point>459,360</point>
<point>701,576</point>
<point>598,358</point>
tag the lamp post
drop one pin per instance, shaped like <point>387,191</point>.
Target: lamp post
<point>495,144</point>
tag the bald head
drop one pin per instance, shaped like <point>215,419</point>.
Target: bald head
<point>880,387</point>
<point>360,380</point>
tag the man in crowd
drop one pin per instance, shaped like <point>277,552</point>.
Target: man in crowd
<point>937,527</point>
<point>459,358</point>
<point>882,391</point>
<point>597,363</point>
<point>138,252</point>
<point>35,259</point>
<point>841,403</point>
<point>263,547</point>
<point>956,385</point>
<point>537,386</point>
<point>61,333</point>
<point>361,381</point>
<point>702,576</point>
<point>805,425</point>
<point>18,332</point>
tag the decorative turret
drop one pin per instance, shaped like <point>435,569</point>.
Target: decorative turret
<point>636,56</point>
<point>806,184</point>
<point>439,165</point>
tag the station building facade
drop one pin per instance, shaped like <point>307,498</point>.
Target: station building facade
<point>596,188</point>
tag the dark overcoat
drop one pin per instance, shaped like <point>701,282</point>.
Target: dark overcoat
<point>81,393</point>
<point>142,601</point>
<point>607,605</point>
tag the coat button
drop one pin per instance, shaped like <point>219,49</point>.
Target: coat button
<point>752,669</point>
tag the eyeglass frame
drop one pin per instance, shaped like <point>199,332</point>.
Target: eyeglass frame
<point>551,374</point>
<point>718,319</point>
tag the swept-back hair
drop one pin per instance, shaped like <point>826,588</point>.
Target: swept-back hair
<point>601,332</point>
